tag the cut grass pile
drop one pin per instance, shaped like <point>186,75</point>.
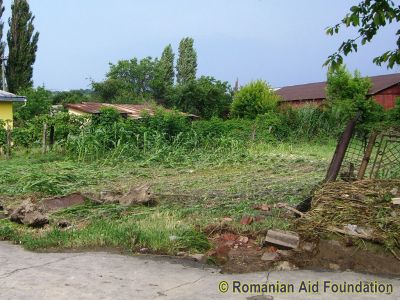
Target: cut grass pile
<point>194,193</point>
<point>364,206</point>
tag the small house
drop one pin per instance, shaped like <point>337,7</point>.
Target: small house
<point>6,107</point>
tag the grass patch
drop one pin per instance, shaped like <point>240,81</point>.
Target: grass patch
<point>194,190</point>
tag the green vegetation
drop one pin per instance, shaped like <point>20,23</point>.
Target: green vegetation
<point>256,98</point>
<point>186,67</point>
<point>22,43</point>
<point>369,17</point>
<point>195,190</point>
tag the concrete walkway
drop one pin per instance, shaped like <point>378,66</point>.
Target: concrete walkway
<point>27,275</point>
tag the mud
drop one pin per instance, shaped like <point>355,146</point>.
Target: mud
<point>328,255</point>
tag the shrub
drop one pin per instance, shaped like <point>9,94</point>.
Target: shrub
<point>205,97</point>
<point>38,103</point>
<point>254,99</point>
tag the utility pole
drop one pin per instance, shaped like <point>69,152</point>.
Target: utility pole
<point>3,73</point>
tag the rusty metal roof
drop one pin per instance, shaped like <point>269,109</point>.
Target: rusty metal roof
<point>317,90</point>
<point>133,111</point>
<point>9,97</point>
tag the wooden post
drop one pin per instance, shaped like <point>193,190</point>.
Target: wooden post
<point>44,138</point>
<point>341,149</point>
<point>367,155</point>
<point>9,141</point>
<point>51,138</point>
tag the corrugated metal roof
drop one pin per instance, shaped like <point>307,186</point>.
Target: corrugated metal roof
<point>9,97</point>
<point>133,111</point>
<point>317,90</point>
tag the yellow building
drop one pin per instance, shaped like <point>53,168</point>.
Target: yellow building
<point>6,107</point>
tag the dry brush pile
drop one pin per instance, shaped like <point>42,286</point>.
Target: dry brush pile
<point>361,209</point>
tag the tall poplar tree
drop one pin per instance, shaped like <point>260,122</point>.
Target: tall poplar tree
<point>2,44</point>
<point>22,45</point>
<point>167,66</point>
<point>187,62</point>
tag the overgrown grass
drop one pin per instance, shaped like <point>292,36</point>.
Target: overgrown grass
<point>195,190</point>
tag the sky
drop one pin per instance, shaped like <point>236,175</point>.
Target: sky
<point>280,41</point>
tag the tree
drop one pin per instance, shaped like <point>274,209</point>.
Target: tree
<point>205,97</point>
<point>347,94</point>
<point>22,44</point>
<point>128,80</point>
<point>342,85</point>
<point>166,66</point>
<point>369,17</point>
<point>39,103</point>
<point>187,61</point>
<point>255,98</point>
<point>2,44</point>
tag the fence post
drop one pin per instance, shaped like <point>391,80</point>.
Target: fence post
<point>341,149</point>
<point>367,155</point>
<point>9,141</point>
<point>44,138</point>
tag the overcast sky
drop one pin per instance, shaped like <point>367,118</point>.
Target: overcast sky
<point>282,42</point>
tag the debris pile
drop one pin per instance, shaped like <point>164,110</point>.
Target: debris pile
<point>363,209</point>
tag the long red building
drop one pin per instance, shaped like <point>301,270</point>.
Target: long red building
<point>385,90</point>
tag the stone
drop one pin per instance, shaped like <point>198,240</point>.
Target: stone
<point>140,195</point>
<point>30,214</point>
<point>284,239</point>
<point>243,239</point>
<point>64,224</point>
<point>247,220</point>
<point>197,257</point>
<point>308,247</point>
<point>396,201</point>
<point>110,197</point>
<point>270,256</point>
<point>285,266</point>
<point>334,267</point>
<point>285,253</point>
<point>227,219</point>
<point>394,191</point>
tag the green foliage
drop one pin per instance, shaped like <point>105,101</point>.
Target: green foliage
<point>394,114</point>
<point>74,96</point>
<point>3,133</point>
<point>187,62</point>
<point>165,74</point>
<point>205,97</point>
<point>369,16</point>
<point>38,103</point>
<point>254,99</point>
<point>128,81</point>
<point>2,44</point>
<point>22,46</point>
<point>348,95</point>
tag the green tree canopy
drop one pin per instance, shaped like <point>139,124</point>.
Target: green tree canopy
<point>22,46</point>
<point>187,61</point>
<point>255,98</point>
<point>205,97</point>
<point>369,16</point>
<point>348,94</point>
<point>38,103</point>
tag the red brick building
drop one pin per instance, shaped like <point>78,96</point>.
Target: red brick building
<point>385,90</point>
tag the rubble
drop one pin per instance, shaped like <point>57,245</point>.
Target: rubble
<point>285,266</point>
<point>247,220</point>
<point>396,201</point>
<point>57,203</point>
<point>284,239</point>
<point>270,256</point>
<point>140,195</point>
<point>30,214</point>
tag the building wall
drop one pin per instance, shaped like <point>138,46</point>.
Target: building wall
<point>387,98</point>
<point>6,112</point>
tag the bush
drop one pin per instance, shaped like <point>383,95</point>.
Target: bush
<point>205,97</point>
<point>254,99</point>
<point>38,103</point>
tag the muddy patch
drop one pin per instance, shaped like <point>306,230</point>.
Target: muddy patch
<point>57,203</point>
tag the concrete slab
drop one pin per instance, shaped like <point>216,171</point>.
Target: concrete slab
<point>27,275</point>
